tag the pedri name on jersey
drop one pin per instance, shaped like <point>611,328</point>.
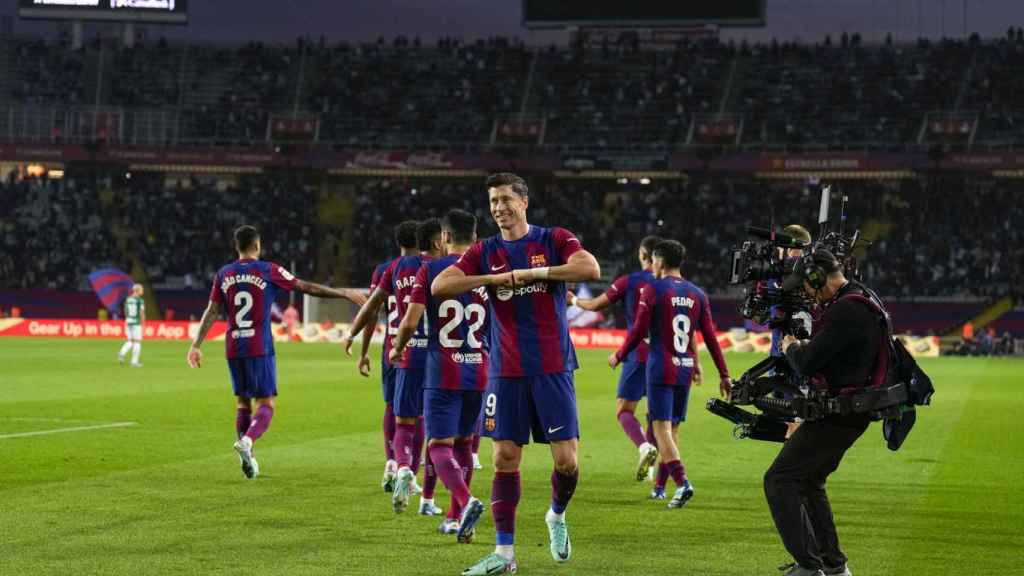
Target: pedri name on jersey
<point>254,279</point>
<point>683,301</point>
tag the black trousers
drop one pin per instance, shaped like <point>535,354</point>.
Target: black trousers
<point>795,488</point>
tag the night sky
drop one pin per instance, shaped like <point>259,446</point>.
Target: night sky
<point>239,20</point>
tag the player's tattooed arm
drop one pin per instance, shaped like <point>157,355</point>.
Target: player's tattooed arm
<point>405,330</point>
<point>314,289</point>
<point>452,282</point>
<point>195,355</point>
<point>581,267</point>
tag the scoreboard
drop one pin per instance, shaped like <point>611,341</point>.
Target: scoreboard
<point>642,13</point>
<point>156,11</point>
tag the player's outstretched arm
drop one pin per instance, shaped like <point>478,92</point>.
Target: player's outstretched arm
<point>405,330</point>
<point>452,282</point>
<point>364,350</point>
<point>640,329</point>
<point>710,333</point>
<point>368,311</point>
<point>591,304</point>
<point>580,267</point>
<point>195,355</point>
<point>314,289</point>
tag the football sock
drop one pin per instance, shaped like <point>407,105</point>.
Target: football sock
<point>242,420</point>
<point>662,477</point>
<point>677,472</point>
<point>417,445</point>
<point>429,478</point>
<point>464,456</point>
<point>404,434</point>
<point>136,349</point>
<point>562,488</point>
<point>476,443</point>
<point>260,422</point>
<point>505,492</point>
<point>632,427</point>
<point>389,432</point>
<point>124,349</point>
<point>448,469</point>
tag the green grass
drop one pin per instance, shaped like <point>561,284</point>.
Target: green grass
<point>166,496</point>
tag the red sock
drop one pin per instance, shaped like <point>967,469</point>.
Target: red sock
<point>242,420</point>
<point>632,427</point>
<point>476,441</point>
<point>417,445</point>
<point>388,424</point>
<point>662,477</point>
<point>260,422</point>
<point>429,478</point>
<point>677,472</point>
<point>448,469</point>
<point>505,493</point>
<point>404,434</point>
<point>463,452</point>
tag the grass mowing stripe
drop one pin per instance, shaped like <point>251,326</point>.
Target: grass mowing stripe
<point>64,430</point>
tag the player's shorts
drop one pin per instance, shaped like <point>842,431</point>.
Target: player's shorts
<point>408,399</point>
<point>667,402</point>
<point>544,405</point>
<point>388,376</point>
<point>451,413</point>
<point>254,377</point>
<point>133,332</point>
<point>632,381</point>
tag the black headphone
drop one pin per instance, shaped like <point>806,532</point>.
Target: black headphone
<point>815,270</point>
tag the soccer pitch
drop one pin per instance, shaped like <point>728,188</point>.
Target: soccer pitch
<point>111,470</point>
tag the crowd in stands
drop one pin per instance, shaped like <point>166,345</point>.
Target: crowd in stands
<point>936,237</point>
<point>182,231</point>
<point>52,234</point>
<point>840,92</point>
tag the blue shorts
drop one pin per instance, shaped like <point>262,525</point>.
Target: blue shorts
<point>254,377</point>
<point>388,375</point>
<point>408,402</point>
<point>632,381</point>
<point>667,402</point>
<point>544,405</point>
<point>451,413</point>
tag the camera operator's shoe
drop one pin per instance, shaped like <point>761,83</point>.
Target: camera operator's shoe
<point>841,570</point>
<point>795,569</point>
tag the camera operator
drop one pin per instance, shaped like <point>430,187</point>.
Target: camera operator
<point>842,351</point>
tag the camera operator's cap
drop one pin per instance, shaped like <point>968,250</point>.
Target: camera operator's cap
<point>821,258</point>
<point>798,233</point>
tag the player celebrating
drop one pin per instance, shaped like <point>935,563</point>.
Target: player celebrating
<point>633,380</point>
<point>134,312</point>
<point>669,312</point>
<point>397,282</point>
<point>246,289</point>
<point>530,374</point>
<point>456,373</point>
<point>405,237</point>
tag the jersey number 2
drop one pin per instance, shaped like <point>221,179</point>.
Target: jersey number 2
<point>243,301</point>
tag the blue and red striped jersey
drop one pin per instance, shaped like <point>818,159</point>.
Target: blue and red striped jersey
<point>669,312</point>
<point>457,344</point>
<point>397,281</point>
<point>246,289</point>
<point>628,287</point>
<point>529,330</point>
<point>390,306</point>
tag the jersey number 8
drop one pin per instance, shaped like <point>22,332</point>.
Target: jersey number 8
<point>681,336</point>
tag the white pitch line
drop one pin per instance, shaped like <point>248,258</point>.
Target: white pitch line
<point>62,430</point>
